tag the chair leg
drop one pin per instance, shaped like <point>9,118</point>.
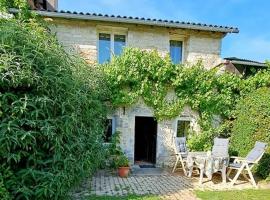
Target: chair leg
<point>184,168</point>
<point>223,173</point>
<point>251,177</point>
<point>175,165</point>
<point>201,176</point>
<point>237,174</point>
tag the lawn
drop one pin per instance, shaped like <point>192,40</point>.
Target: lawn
<point>235,195</point>
<point>129,197</point>
<point>204,195</point>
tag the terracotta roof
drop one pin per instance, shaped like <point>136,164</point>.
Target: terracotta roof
<point>241,61</point>
<point>138,20</point>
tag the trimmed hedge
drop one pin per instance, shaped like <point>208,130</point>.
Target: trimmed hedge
<point>253,124</point>
<point>51,110</point>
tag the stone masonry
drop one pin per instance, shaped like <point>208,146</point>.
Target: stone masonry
<point>78,36</point>
<point>82,36</point>
<point>125,123</point>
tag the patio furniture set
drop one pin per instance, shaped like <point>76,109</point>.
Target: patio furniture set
<point>217,160</point>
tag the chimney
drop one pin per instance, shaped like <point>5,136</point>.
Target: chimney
<point>43,4</point>
<point>52,5</point>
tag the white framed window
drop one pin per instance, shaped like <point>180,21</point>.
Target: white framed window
<point>109,44</point>
<point>110,128</point>
<point>183,127</point>
<point>176,51</point>
<point>104,47</point>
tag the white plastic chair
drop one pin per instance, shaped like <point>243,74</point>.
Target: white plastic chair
<point>181,153</point>
<point>243,165</point>
<point>220,149</point>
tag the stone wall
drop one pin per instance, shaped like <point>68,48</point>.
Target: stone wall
<point>166,131</point>
<point>82,37</point>
<point>204,48</point>
<point>77,38</point>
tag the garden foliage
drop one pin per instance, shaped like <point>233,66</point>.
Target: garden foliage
<point>51,110</point>
<point>167,88</point>
<point>253,124</point>
<point>141,74</point>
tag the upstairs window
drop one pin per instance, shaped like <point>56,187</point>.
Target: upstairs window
<point>104,49</point>
<point>119,44</point>
<point>109,45</point>
<point>176,51</point>
<point>183,128</point>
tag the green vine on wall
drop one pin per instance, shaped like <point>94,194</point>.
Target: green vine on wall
<point>142,74</point>
<point>145,74</point>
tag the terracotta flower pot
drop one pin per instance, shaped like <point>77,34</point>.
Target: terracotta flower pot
<point>123,171</point>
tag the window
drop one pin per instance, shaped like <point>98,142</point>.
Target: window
<point>183,127</point>
<point>109,129</point>
<point>176,51</point>
<point>119,44</point>
<point>110,44</point>
<point>104,53</point>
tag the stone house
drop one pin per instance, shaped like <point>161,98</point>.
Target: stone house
<point>97,37</point>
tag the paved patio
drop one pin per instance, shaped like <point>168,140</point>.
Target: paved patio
<point>155,182</point>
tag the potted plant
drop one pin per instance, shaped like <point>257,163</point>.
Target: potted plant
<point>122,164</point>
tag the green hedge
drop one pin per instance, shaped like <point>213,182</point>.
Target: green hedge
<point>253,124</point>
<point>51,112</point>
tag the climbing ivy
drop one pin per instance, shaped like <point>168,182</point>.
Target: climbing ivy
<point>167,87</point>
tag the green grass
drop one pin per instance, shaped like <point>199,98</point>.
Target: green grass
<point>203,195</point>
<point>235,195</point>
<point>129,197</point>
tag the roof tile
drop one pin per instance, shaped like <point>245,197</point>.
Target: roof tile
<point>168,23</point>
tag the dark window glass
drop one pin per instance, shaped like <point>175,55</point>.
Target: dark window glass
<point>108,130</point>
<point>119,44</point>
<point>183,128</point>
<point>104,48</point>
<point>176,51</point>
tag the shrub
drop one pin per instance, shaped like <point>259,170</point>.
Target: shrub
<point>51,110</point>
<point>253,124</point>
<point>4,194</point>
<point>201,141</point>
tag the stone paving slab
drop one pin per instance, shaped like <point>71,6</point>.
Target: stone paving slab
<point>148,171</point>
<point>165,186</point>
<point>162,184</point>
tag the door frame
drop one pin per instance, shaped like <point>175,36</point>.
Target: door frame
<point>157,128</point>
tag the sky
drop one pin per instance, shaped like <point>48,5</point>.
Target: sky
<point>252,17</point>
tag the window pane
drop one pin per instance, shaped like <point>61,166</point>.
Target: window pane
<point>183,128</point>
<point>119,44</point>
<point>176,51</point>
<point>108,130</point>
<point>104,48</point>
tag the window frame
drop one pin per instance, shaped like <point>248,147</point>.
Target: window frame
<point>181,38</point>
<point>191,121</point>
<point>182,52</point>
<point>111,31</point>
<point>98,46</point>
<point>113,118</point>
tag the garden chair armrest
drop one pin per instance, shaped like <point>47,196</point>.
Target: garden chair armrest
<point>181,153</point>
<point>243,160</point>
<point>237,158</point>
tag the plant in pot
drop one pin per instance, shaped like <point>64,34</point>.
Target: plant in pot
<point>122,163</point>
